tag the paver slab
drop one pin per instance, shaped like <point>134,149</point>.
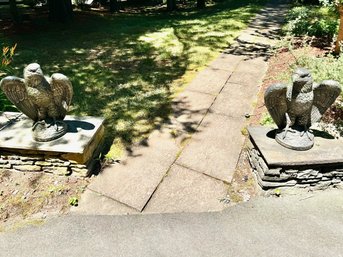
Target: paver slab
<point>92,203</point>
<point>134,180</point>
<point>189,108</point>
<point>184,190</point>
<point>226,62</point>
<point>215,147</point>
<point>235,100</point>
<point>209,81</point>
<point>249,72</point>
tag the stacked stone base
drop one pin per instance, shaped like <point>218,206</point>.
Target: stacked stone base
<point>314,177</point>
<point>73,154</point>
<point>47,164</point>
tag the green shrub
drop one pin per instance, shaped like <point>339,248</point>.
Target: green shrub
<point>312,21</point>
<point>322,67</point>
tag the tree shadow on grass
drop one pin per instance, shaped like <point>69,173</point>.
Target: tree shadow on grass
<point>123,67</point>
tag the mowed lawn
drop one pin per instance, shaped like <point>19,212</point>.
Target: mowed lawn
<point>127,67</point>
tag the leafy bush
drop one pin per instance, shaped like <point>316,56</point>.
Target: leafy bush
<point>312,21</point>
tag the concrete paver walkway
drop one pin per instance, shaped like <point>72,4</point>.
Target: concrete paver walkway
<point>185,165</point>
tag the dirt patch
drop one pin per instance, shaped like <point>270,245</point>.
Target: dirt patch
<point>30,197</point>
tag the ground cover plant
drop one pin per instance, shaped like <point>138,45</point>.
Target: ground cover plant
<point>126,67</point>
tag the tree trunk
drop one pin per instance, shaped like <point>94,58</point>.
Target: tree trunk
<point>114,6</point>
<point>171,5</point>
<point>14,11</point>
<point>339,40</point>
<point>201,4</point>
<point>60,10</point>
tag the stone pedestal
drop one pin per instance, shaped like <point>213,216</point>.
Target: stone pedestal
<point>72,153</point>
<point>276,166</point>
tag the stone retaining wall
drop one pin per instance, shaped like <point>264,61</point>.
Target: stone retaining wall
<point>315,177</point>
<point>43,164</point>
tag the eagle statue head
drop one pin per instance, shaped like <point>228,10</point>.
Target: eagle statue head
<point>33,74</point>
<point>302,80</point>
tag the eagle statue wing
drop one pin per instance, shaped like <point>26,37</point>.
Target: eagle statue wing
<point>62,90</point>
<point>15,90</point>
<point>325,95</point>
<point>276,102</point>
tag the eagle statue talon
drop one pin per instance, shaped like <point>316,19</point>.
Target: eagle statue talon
<point>297,106</point>
<point>306,132</point>
<point>286,131</point>
<point>42,99</point>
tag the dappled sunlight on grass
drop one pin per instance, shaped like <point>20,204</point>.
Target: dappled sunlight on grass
<point>127,67</point>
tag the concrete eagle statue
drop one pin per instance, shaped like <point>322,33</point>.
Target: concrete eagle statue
<point>44,100</point>
<point>294,108</point>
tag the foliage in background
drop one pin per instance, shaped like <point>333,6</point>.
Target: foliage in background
<point>331,2</point>
<point>6,59</point>
<point>312,21</point>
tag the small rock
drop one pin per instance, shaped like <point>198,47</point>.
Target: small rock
<point>336,181</point>
<point>20,162</point>
<point>322,185</point>
<point>54,160</point>
<point>245,178</point>
<point>61,164</point>
<point>27,168</point>
<point>339,186</point>
<point>43,163</point>
<point>79,166</point>
<point>3,161</point>
<point>57,170</point>
<point>79,172</point>
<point>5,166</point>
<point>13,157</point>
<point>31,158</point>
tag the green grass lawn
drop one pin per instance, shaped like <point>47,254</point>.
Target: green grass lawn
<point>127,67</point>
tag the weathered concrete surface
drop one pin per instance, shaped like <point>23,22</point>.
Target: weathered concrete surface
<point>249,72</point>
<point>184,190</point>
<point>83,137</point>
<point>324,151</point>
<point>133,181</point>
<point>209,81</point>
<point>93,203</point>
<point>215,148</point>
<point>298,225</point>
<point>226,62</point>
<point>189,108</point>
<point>235,100</point>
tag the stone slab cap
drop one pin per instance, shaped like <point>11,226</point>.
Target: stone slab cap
<point>82,139</point>
<point>324,151</point>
